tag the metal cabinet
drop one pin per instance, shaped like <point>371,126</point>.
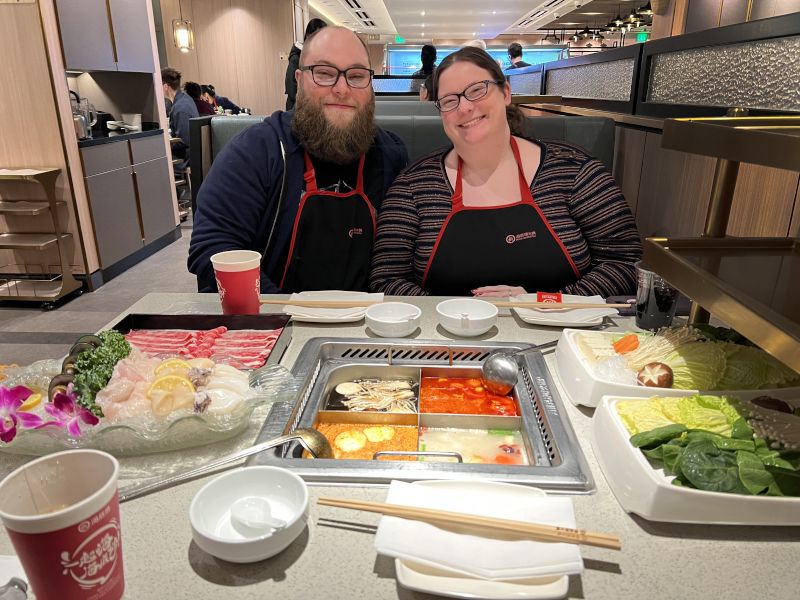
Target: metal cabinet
<point>130,195</point>
<point>106,35</point>
<point>155,198</point>
<point>115,216</point>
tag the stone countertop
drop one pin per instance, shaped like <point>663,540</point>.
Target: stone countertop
<point>335,558</point>
<point>109,137</point>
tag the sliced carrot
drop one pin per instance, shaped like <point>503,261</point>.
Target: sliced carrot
<point>629,343</point>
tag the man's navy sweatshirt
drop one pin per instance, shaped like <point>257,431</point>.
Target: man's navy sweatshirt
<point>238,201</point>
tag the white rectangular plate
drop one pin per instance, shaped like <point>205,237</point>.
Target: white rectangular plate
<point>647,492</point>
<point>585,388</point>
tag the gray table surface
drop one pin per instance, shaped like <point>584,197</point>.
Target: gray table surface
<point>327,561</point>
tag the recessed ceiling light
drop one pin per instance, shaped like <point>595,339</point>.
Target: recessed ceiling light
<point>483,24</point>
<point>494,12</point>
<point>422,14</point>
<point>473,33</point>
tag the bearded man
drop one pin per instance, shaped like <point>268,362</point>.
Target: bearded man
<point>303,187</point>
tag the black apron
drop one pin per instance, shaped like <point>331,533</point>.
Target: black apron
<point>332,238</point>
<point>504,245</point>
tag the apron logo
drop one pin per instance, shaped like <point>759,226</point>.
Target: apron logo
<point>525,235</point>
<point>355,231</point>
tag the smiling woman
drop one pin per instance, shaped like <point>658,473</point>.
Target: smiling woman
<point>499,214</point>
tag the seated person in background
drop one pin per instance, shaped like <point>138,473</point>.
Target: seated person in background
<point>498,214</point>
<point>428,59</point>
<point>183,108</point>
<point>194,91</point>
<point>515,54</point>
<point>290,83</point>
<point>303,187</point>
<point>426,91</point>
<point>210,95</point>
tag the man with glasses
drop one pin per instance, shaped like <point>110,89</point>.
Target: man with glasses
<point>303,187</point>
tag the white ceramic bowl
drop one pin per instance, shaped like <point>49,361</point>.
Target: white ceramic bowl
<point>210,513</point>
<point>466,317</point>
<point>393,319</point>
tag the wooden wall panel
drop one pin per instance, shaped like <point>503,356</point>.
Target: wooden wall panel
<point>187,62</point>
<point>31,133</point>
<point>702,15</point>
<point>238,48</point>
<point>763,202</point>
<point>674,191</point>
<point>215,45</point>
<point>628,158</point>
<point>794,228</point>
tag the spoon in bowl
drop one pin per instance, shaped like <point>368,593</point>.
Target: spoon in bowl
<point>500,370</point>
<point>252,515</point>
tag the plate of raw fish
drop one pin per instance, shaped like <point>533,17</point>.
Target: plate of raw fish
<point>108,394</point>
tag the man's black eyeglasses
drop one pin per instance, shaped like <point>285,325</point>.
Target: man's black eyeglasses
<point>473,92</point>
<point>327,76</point>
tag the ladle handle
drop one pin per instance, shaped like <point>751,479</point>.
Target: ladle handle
<point>535,347</point>
<point>135,491</point>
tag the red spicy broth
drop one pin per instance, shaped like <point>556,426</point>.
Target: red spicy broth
<point>462,396</point>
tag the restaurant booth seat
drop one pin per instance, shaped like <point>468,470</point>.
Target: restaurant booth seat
<point>420,133</point>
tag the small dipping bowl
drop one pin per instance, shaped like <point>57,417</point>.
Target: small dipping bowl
<point>216,530</point>
<point>466,317</point>
<point>393,319</point>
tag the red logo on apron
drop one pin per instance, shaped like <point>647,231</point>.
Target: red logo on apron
<point>355,231</point>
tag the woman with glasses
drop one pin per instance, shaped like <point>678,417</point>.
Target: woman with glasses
<point>500,214</point>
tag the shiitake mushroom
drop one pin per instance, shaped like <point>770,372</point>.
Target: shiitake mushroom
<point>79,347</point>
<point>58,384</point>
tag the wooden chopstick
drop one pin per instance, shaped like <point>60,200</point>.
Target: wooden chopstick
<point>324,303</point>
<point>556,305</point>
<point>535,531</point>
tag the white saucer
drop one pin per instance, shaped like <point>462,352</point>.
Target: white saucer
<point>422,578</point>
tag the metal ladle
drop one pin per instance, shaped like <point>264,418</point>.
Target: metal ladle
<point>311,439</point>
<point>500,370</point>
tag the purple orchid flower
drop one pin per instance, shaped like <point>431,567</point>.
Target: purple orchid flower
<point>10,415</point>
<point>68,413</point>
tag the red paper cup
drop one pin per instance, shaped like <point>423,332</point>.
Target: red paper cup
<point>62,515</point>
<point>238,274</point>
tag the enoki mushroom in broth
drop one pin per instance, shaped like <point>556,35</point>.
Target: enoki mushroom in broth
<point>393,395</point>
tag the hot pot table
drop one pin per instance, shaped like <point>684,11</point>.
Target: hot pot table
<point>334,557</point>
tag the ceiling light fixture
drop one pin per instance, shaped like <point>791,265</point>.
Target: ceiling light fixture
<point>182,33</point>
<point>646,10</point>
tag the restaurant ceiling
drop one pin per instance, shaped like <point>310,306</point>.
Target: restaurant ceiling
<point>419,20</point>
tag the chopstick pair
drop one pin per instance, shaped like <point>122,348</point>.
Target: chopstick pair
<point>534,531</point>
<point>324,303</point>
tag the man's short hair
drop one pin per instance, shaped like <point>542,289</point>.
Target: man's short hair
<point>515,50</point>
<point>172,77</point>
<point>309,40</point>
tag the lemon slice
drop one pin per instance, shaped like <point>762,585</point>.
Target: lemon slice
<point>32,401</point>
<point>174,366</point>
<point>169,393</point>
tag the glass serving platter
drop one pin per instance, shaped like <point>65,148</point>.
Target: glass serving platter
<point>147,434</point>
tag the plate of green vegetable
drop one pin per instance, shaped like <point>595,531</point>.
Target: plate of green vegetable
<point>702,458</point>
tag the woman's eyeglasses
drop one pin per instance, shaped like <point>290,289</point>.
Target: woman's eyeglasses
<point>327,76</point>
<point>473,92</point>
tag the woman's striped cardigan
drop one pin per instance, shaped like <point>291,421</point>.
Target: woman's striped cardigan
<point>580,199</point>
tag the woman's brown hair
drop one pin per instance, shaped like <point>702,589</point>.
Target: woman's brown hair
<point>482,59</point>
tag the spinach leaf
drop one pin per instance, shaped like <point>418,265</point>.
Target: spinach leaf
<point>788,481</point>
<point>741,430</point>
<point>720,441</point>
<point>752,473</point>
<point>655,454</point>
<point>657,436</point>
<point>672,457</point>
<point>707,467</point>
<point>772,457</point>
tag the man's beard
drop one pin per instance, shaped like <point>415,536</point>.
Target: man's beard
<point>324,140</point>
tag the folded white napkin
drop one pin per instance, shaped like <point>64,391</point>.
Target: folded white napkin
<point>564,315</point>
<point>332,313</point>
<point>483,556</point>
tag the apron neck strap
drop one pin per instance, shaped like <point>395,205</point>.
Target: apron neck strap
<point>310,176</point>
<point>524,191</point>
